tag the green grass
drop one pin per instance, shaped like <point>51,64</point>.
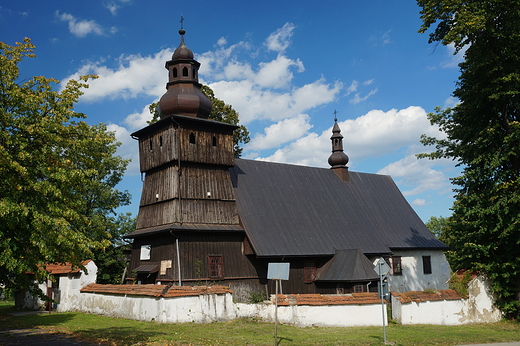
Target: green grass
<point>114,331</point>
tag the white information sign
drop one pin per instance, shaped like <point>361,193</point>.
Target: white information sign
<point>278,271</point>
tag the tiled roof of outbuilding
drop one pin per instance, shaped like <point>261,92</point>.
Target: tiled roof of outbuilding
<point>63,268</point>
<point>321,299</point>
<point>420,296</point>
<point>155,290</point>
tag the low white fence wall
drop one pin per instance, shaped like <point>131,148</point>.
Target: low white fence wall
<point>211,304</point>
<point>200,309</point>
<point>443,308</point>
<point>348,315</point>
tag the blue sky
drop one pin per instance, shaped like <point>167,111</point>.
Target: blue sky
<point>285,66</point>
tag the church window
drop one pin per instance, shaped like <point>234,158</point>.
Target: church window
<point>427,264</point>
<point>185,71</point>
<point>151,144</point>
<point>160,141</point>
<point>192,138</point>
<point>194,73</point>
<point>174,72</point>
<point>216,267</point>
<point>214,141</point>
<point>397,268</point>
<point>309,271</point>
<point>358,289</point>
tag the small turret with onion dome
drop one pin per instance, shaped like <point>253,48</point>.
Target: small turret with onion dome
<point>338,159</point>
<point>183,95</point>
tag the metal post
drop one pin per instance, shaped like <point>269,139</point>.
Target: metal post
<point>178,260</point>
<point>382,298</point>
<point>276,313</point>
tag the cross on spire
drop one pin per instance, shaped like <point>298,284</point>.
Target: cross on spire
<point>335,115</point>
<point>182,22</point>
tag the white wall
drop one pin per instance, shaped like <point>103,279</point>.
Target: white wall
<point>348,315</point>
<point>413,278</point>
<point>70,284</point>
<point>478,308</point>
<point>201,309</point>
<point>220,307</point>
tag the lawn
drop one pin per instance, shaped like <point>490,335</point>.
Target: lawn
<point>114,331</point>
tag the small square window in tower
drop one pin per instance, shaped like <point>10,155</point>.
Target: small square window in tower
<point>427,264</point>
<point>216,267</point>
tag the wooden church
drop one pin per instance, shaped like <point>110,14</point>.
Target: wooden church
<point>206,217</point>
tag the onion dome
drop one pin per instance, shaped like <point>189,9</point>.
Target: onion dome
<point>338,158</point>
<point>183,95</point>
<point>182,52</point>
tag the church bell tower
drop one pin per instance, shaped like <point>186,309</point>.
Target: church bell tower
<point>185,156</point>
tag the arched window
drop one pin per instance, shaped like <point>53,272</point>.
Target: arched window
<point>194,74</point>
<point>192,138</point>
<point>174,72</point>
<point>214,141</point>
<point>160,141</point>
<point>185,71</point>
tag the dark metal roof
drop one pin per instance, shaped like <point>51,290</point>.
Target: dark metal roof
<point>347,265</point>
<point>184,227</point>
<point>182,118</point>
<point>290,210</point>
<point>151,267</point>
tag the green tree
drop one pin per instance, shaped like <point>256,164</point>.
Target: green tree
<point>111,261</point>
<point>437,225</point>
<point>57,196</point>
<point>220,111</point>
<point>483,135</point>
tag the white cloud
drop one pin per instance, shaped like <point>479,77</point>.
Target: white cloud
<point>133,76</point>
<point>420,202</point>
<point>139,120</point>
<point>353,87</point>
<point>253,102</point>
<point>420,174</point>
<point>281,132</point>
<point>374,134</point>
<point>128,148</point>
<point>212,63</point>
<point>358,98</point>
<point>221,42</point>
<point>451,102</point>
<point>114,5</point>
<point>276,73</point>
<point>279,40</point>
<point>455,59</point>
<point>82,28</point>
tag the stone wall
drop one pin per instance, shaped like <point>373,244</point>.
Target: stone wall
<point>446,307</point>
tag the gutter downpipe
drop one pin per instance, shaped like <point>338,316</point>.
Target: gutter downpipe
<point>180,199</point>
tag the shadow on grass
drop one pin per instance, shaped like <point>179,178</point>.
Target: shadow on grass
<point>117,335</point>
<point>280,339</point>
<point>33,321</point>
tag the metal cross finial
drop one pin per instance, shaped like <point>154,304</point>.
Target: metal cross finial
<point>335,117</point>
<point>182,22</point>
